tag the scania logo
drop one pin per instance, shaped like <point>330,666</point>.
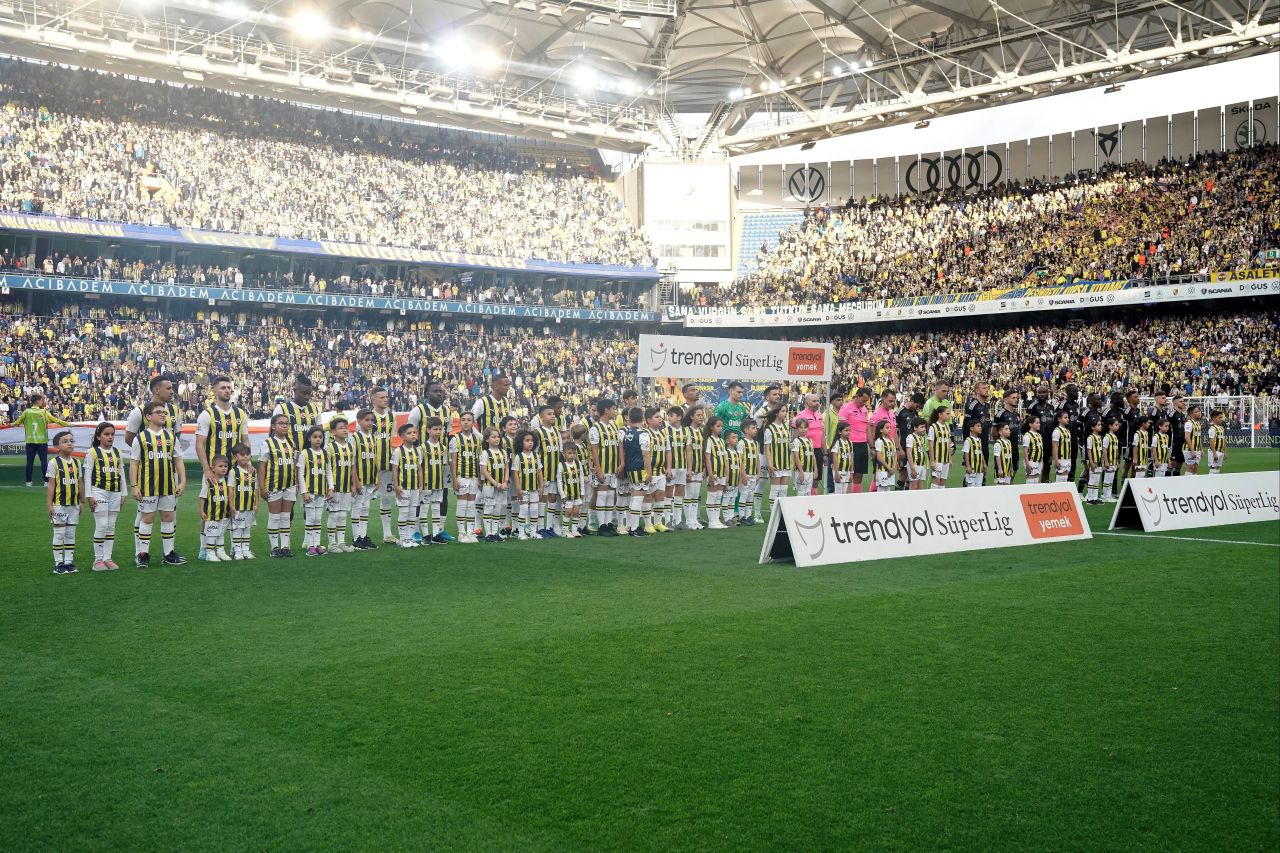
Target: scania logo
<point>807,184</point>
<point>1153,506</point>
<point>812,535</point>
<point>947,173</point>
<point>658,356</point>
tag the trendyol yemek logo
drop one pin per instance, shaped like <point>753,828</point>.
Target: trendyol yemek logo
<point>813,532</point>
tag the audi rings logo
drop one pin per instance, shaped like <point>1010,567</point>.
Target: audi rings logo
<point>959,172</point>
<point>807,184</point>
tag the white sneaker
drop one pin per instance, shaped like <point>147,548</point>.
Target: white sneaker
<point>716,524</point>
<point>520,534</point>
<point>212,557</point>
<point>223,555</point>
<point>237,555</point>
<point>248,555</point>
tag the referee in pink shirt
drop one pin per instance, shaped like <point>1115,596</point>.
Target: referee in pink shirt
<point>814,431</point>
<point>885,412</point>
<point>857,414</point>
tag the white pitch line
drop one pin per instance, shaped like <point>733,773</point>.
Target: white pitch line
<point>1189,539</point>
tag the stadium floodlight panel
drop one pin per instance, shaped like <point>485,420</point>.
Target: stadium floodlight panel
<point>309,23</point>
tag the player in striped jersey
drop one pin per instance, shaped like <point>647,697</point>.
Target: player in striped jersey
<point>1002,458</point>
<point>244,496</point>
<point>1217,441</point>
<point>435,464</point>
<point>63,496</point>
<point>1161,448</point>
<point>1112,446</point>
<point>777,451</point>
<point>1033,449</point>
<point>1061,452</point>
<point>1193,443</point>
<point>162,390</point>
<point>694,422</point>
<point>277,483</point>
<point>406,479</point>
<point>1094,456</point>
<point>678,450</point>
<point>660,449</point>
<point>942,446</point>
<point>302,413</point>
<point>571,487</point>
<point>219,426</point>
<point>464,461</point>
<point>841,460</point>
<point>606,459</point>
<point>340,453</point>
<point>637,460</point>
<point>495,476</point>
<point>885,452</point>
<point>804,462</point>
<point>733,478</point>
<point>749,505</point>
<point>315,487</point>
<point>916,450</point>
<point>216,509</point>
<point>366,447</point>
<point>548,441</point>
<point>436,405</point>
<point>104,490</point>
<point>1140,447</point>
<point>716,459</point>
<point>509,428</point>
<point>384,428</point>
<point>158,478</point>
<point>526,474</point>
<point>975,460</point>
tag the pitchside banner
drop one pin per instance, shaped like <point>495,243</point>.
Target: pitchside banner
<point>732,358</point>
<point>1177,503</point>
<point>818,531</point>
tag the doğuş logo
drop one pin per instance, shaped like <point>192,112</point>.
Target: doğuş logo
<point>816,532</point>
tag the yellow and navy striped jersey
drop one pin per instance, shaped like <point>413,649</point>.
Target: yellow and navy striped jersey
<point>918,450</point>
<point>778,447</point>
<point>366,446</point>
<point>678,443</point>
<point>66,481</point>
<point>435,458</point>
<point>717,456</point>
<point>547,445</point>
<point>571,477</point>
<point>1035,447</point>
<point>733,471</point>
<point>697,460</point>
<point>155,463</point>
<point>886,453</point>
<point>313,471</point>
<point>609,445</point>
<point>1141,448</point>
<point>1111,450</point>
<point>225,431</point>
<point>407,464</point>
<point>659,450</point>
<point>1194,433</point>
<point>562,422</point>
<point>1062,442</point>
<point>526,467</point>
<point>1002,457</point>
<point>442,412</point>
<point>384,427</point>
<point>750,457</point>
<point>1217,439</point>
<point>496,462</point>
<point>492,411</point>
<point>301,419</point>
<point>1161,448</point>
<point>108,469</point>
<point>1093,449</point>
<point>278,471</point>
<point>466,451</point>
<point>508,444</point>
<point>172,417</point>
<point>974,459</point>
<point>244,488</point>
<point>342,457</point>
<point>217,499</point>
<point>803,448</point>
<point>942,447</point>
<point>842,455</point>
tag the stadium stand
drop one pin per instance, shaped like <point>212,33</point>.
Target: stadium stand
<point>760,235</point>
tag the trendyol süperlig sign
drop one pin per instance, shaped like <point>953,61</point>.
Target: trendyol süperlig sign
<point>733,358</point>
<point>1177,503</point>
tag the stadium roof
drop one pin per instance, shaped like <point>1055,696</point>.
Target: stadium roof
<point>612,72</point>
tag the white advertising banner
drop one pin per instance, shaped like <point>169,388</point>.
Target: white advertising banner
<point>818,531</point>
<point>732,358</point>
<point>1223,285</point>
<point>1177,503</point>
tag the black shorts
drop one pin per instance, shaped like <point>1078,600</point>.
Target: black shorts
<point>860,459</point>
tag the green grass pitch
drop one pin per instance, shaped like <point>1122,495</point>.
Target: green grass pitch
<point>652,694</point>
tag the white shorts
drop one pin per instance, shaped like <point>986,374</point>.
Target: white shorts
<point>678,477</point>
<point>340,502</point>
<point>290,494</point>
<point>1063,467</point>
<point>804,482</point>
<point>1191,457</point>
<point>429,497</point>
<point>244,520</point>
<point>749,485</point>
<point>716,482</point>
<point>780,473</point>
<point>608,484</point>
<point>1216,458</point>
<point>164,503</point>
<point>658,483</point>
<point>215,529</point>
<point>468,486</point>
<point>107,501</point>
<point>314,501</point>
<point>1139,472</point>
<point>1034,469</point>
<point>972,480</point>
<point>66,515</point>
<point>365,496</point>
<point>941,471</point>
<point>411,497</point>
<point>550,489</point>
<point>920,476</point>
<point>387,484</point>
<point>1003,481</point>
<point>575,503</point>
<point>885,479</point>
<point>1159,470</point>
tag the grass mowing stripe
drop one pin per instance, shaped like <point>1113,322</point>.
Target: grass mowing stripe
<point>1187,538</point>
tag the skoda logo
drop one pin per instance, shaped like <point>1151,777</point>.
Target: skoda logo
<point>807,184</point>
<point>813,535</point>
<point>1250,133</point>
<point>959,172</point>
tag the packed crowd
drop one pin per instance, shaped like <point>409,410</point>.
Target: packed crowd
<point>1215,212</point>
<point>91,146</point>
<point>464,287</point>
<point>90,361</point>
